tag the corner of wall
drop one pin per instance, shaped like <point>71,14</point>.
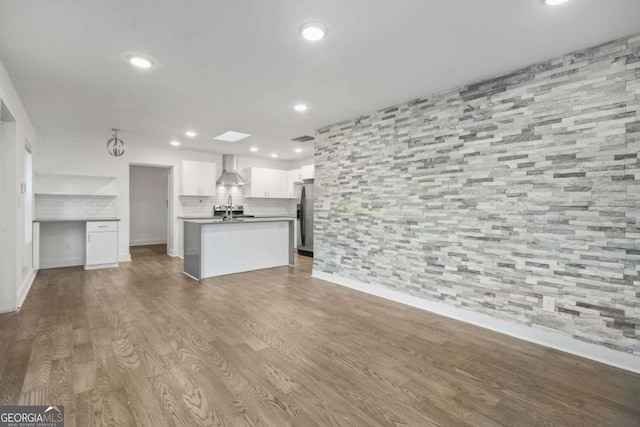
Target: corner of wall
<point>26,287</point>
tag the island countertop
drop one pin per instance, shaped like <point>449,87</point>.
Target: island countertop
<point>75,219</point>
<point>238,221</point>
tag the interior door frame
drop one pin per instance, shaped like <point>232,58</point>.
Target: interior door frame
<point>10,234</point>
<point>170,200</point>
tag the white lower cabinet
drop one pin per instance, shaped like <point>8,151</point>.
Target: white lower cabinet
<point>102,245</point>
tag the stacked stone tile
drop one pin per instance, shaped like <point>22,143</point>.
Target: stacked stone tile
<point>490,196</point>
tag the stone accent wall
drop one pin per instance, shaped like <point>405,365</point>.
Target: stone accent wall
<point>493,195</point>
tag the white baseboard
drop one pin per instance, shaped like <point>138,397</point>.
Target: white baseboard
<point>148,242</point>
<point>26,286</point>
<point>7,307</point>
<point>190,276</point>
<point>546,338</point>
<point>101,266</point>
<point>124,258</point>
<point>59,263</point>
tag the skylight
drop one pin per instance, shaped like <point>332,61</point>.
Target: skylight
<point>232,136</point>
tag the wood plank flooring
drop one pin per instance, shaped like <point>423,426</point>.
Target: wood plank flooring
<point>143,345</point>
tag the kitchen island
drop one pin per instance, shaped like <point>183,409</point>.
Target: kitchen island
<point>213,247</point>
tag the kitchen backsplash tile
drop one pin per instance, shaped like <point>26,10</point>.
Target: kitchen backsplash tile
<point>69,207</point>
<point>203,206</point>
<point>270,207</point>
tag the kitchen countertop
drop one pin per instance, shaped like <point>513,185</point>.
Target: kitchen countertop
<point>74,219</point>
<point>244,220</point>
<point>219,218</point>
<point>195,217</point>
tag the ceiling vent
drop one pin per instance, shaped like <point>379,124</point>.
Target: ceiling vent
<point>303,138</point>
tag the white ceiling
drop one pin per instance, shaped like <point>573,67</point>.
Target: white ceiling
<point>241,65</point>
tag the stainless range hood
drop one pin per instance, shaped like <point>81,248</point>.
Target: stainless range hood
<point>230,175</point>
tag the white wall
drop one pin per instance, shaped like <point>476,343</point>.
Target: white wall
<point>89,156</point>
<point>148,195</point>
<point>62,244</point>
<point>16,272</point>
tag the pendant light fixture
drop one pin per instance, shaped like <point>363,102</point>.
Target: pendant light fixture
<point>115,146</point>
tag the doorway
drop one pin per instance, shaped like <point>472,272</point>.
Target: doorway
<point>149,209</point>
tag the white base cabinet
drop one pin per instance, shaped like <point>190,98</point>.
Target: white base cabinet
<point>102,245</point>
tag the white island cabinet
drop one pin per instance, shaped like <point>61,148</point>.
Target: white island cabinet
<point>215,247</point>
<point>102,245</point>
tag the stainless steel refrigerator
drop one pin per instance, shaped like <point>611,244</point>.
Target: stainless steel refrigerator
<point>304,224</point>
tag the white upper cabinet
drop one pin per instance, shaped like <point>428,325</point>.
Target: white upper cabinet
<point>208,178</point>
<point>257,182</point>
<point>267,183</point>
<point>308,172</point>
<point>198,179</point>
<point>190,179</point>
<point>295,176</point>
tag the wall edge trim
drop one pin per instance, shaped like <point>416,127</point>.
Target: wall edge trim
<point>557,341</point>
<point>26,287</point>
<point>61,263</point>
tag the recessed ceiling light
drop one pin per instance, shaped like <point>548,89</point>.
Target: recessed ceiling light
<point>301,108</point>
<point>190,134</point>
<point>274,155</point>
<point>232,136</point>
<point>140,61</point>
<point>555,2</point>
<point>298,150</point>
<point>254,149</point>
<point>313,31</point>
<point>175,143</point>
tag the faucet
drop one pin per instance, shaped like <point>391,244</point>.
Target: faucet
<point>229,213</point>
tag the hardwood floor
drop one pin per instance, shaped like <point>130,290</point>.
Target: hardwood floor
<point>143,345</point>
<point>147,250</point>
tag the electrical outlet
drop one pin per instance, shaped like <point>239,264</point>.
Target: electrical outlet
<point>548,303</point>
